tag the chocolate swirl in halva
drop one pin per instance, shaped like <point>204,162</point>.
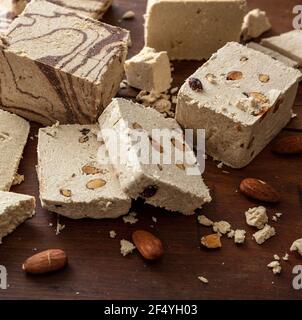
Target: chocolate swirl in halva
<point>56,65</point>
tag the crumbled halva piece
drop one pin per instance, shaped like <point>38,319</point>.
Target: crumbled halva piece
<point>203,220</point>
<point>297,246</point>
<point>112,234</point>
<point>126,247</point>
<point>15,208</point>
<point>276,257</point>
<point>278,214</point>
<point>174,90</point>
<point>160,102</point>
<point>192,30</point>
<point>222,227</point>
<point>239,236</point>
<point>72,183</point>
<point>264,234</point>
<point>288,44</point>
<point>60,227</point>
<point>256,217</point>
<point>149,70</point>
<point>174,186</point>
<point>252,92</point>
<point>231,234</point>
<point>285,257</point>
<point>72,65</point>
<point>131,218</point>
<point>163,105</point>
<point>277,270</point>
<point>128,15</point>
<point>275,266</point>
<point>18,179</point>
<point>274,54</point>
<point>149,98</point>
<point>203,279</point>
<point>174,99</point>
<point>123,84</point>
<point>254,24</point>
<point>220,165</point>
<point>211,241</point>
<point>154,219</point>
<point>13,137</point>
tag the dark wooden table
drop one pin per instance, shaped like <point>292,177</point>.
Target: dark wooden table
<point>98,271</point>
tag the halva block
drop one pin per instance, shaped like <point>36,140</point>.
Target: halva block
<point>72,183</point>
<point>242,98</point>
<point>57,65</point>
<point>254,24</point>
<point>165,184</point>
<point>192,29</point>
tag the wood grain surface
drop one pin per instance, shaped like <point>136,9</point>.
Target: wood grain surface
<point>98,271</point>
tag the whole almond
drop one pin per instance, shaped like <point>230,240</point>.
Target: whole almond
<point>259,190</point>
<point>45,261</point>
<point>288,145</point>
<point>148,245</point>
<point>88,169</point>
<point>211,78</point>
<point>234,75</point>
<point>66,193</point>
<point>95,184</point>
<point>264,78</point>
<point>136,125</point>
